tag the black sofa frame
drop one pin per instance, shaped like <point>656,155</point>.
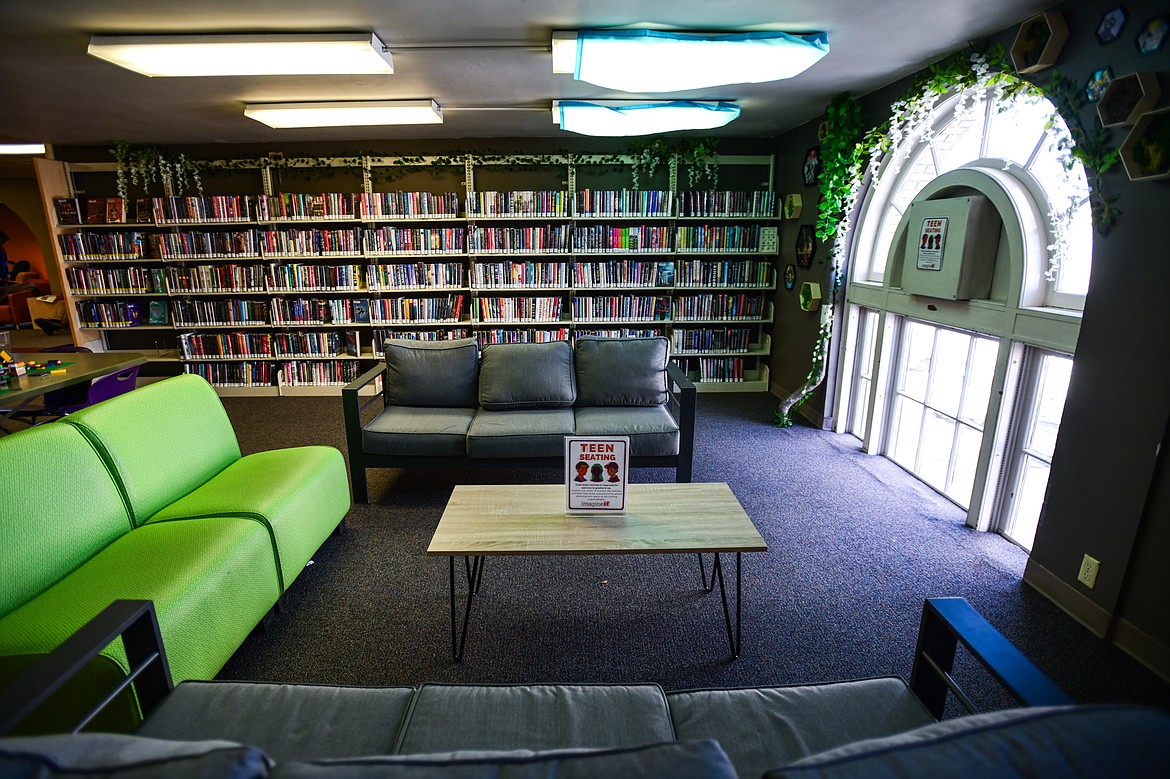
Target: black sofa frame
<point>681,406</point>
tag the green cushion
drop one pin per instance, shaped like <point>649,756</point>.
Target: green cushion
<point>621,371</point>
<point>298,494</point>
<point>526,376</point>
<point>162,440</point>
<point>766,727</point>
<point>108,755</point>
<point>212,580</point>
<point>59,506</point>
<point>287,721</point>
<point>446,718</point>
<point>431,373</point>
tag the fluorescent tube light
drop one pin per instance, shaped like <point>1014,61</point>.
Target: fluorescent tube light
<point>618,118</point>
<point>245,55</point>
<point>351,114</point>
<point>22,148</point>
<point>658,61</point>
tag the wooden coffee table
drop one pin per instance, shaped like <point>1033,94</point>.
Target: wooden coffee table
<point>529,519</point>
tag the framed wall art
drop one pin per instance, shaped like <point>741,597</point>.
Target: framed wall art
<point>1112,23</point>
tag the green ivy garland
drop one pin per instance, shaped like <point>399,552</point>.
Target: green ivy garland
<point>848,154</point>
<point>143,165</point>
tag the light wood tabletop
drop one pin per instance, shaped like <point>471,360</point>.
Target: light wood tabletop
<point>530,519</point>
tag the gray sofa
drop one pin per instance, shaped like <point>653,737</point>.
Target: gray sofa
<point>867,728</point>
<point>445,404</point>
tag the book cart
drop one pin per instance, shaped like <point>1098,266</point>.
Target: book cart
<point>289,285</point>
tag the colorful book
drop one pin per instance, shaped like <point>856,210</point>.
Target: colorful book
<point>68,210</point>
<point>95,211</point>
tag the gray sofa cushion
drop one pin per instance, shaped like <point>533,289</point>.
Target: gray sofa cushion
<point>446,718</point>
<point>767,727</point>
<point>652,430</point>
<point>104,755</point>
<point>523,433</point>
<point>699,760</point>
<point>1037,743</point>
<point>520,376</point>
<point>621,371</point>
<point>418,431</point>
<point>432,373</point>
<point>286,721</point>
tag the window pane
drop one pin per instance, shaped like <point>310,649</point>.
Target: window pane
<point>958,143</point>
<point>1072,275</point>
<point>918,345</point>
<point>979,378</point>
<point>934,458</point>
<point>1016,131</point>
<point>966,461</point>
<point>950,364</point>
<point>1027,502</point>
<point>1055,372</point>
<point>907,425</point>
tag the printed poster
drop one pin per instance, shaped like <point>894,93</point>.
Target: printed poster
<point>931,240</point>
<point>596,468</point>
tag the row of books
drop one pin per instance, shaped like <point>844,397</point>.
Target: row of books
<point>529,335</point>
<point>359,242</point>
<point>339,206</point>
<point>496,275</point>
<point>382,335</point>
<point>310,311</point>
<point>718,306</point>
<point>319,374</point>
<point>725,273</point>
<point>246,346</point>
<point>235,374</point>
<point>623,273</point>
<point>625,202</point>
<point>522,203</point>
<point>220,312</point>
<point>104,281</point>
<point>718,238</point>
<point>417,275</point>
<point>537,309</point>
<point>719,368</point>
<point>548,239</point>
<point>606,238</point>
<point>314,278</point>
<point>217,278</point>
<point>685,340</point>
<point>712,203</point>
<point>617,308</point>
<point>121,313</point>
<point>447,308</point>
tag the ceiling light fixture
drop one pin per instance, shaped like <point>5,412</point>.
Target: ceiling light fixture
<point>22,148</point>
<point>620,118</point>
<point>349,114</point>
<point>245,55</point>
<point>658,61</point>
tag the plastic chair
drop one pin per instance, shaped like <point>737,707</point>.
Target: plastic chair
<point>63,402</point>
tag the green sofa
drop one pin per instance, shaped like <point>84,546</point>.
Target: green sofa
<point>147,496</point>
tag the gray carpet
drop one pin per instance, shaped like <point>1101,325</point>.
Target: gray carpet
<point>855,545</point>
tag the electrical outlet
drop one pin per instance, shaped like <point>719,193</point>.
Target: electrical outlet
<point>1088,574</point>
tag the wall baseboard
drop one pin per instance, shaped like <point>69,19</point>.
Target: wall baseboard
<point>1142,647</point>
<point>1065,596</point>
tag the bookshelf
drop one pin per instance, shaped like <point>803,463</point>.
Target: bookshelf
<point>268,290</point>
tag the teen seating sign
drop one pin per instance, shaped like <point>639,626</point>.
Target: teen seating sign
<point>595,474</point>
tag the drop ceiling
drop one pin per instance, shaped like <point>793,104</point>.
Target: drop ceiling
<point>474,57</point>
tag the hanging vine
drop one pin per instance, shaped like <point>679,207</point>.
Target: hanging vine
<point>146,165</point>
<point>848,155</point>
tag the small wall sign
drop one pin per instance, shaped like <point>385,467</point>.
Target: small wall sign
<point>931,239</point>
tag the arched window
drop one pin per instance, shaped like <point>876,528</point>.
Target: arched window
<point>966,394</point>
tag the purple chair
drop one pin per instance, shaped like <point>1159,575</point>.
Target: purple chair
<point>62,402</point>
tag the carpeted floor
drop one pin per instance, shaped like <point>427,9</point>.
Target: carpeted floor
<point>855,544</point>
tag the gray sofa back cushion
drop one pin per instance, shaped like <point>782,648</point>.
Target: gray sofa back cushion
<point>518,376</point>
<point>436,374</point>
<point>621,371</point>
